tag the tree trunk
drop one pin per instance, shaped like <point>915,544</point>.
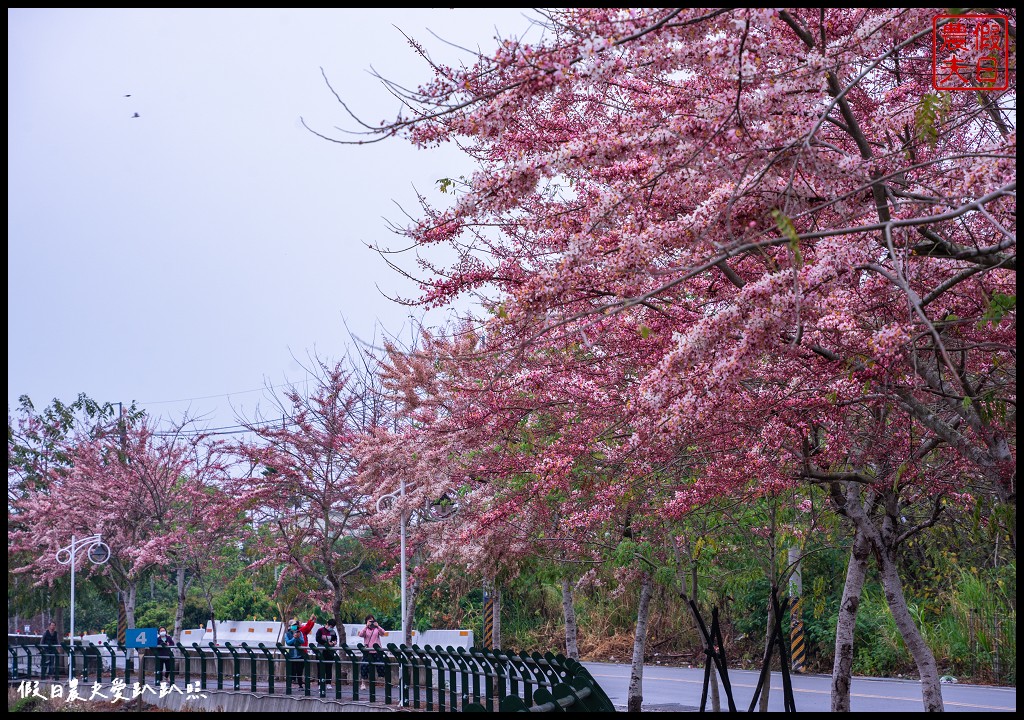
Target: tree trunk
<point>766,669</point>
<point>213,618</point>
<point>336,614</point>
<point>882,541</point>
<point>635,696</point>
<point>179,612</point>
<point>410,611</point>
<point>842,665</point>
<point>569,611</point>
<point>931,689</point>
<point>129,603</point>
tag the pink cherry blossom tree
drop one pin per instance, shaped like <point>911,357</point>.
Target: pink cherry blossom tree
<point>301,483</point>
<point>800,233</point>
<point>126,486</point>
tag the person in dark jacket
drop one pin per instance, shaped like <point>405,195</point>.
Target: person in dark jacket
<point>327,638</point>
<point>50,642</point>
<point>164,656</point>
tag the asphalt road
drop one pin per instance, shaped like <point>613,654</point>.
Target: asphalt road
<point>675,689</point>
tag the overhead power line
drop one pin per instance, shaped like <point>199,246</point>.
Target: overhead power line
<point>210,397</point>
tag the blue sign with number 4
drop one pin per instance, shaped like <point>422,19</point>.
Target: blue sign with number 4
<point>140,637</point>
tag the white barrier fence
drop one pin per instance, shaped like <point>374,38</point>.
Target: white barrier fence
<point>271,632</point>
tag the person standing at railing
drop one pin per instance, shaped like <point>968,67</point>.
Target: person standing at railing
<point>327,638</point>
<point>164,655</point>
<point>296,637</point>
<point>50,641</point>
<point>371,634</point>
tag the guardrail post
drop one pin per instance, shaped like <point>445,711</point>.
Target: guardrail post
<point>113,661</point>
<point>252,666</point>
<point>557,665</point>
<point>304,654</point>
<point>471,667</point>
<point>418,670</point>
<point>484,669</point>
<point>540,679</point>
<point>237,676</point>
<point>428,675</point>
<point>99,662</point>
<point>514,678</point>
<point>287,668</point>
<point>86,651</point>
<point>502,674</point>
<point>158,668</point>
<point>55,666</point>
<point>371,676</point>
<point>28,660</point>
<point>386,664</point>
<point>128,663</point>
<point>83,676</point>
<point>336,662</point>
<point>464,669</point>
<point>493,687</point>
<point>355,668</point>
<point>202,665</point>
<point>186,665</point>
<point>318,654</point>
<point>445,663</point>
<point>546,671</point>
<point>407,673</point>
<point>220,665</point>
<point>71,657</point>
<point>404,673</point>
<point>270,667</point>
<point>13,650</point>
<point>142,666</point>
<point>442,667</point>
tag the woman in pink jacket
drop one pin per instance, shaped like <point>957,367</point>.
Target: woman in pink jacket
<point>371,635</point>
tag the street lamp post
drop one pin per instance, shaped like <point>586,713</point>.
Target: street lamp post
<point>98,554</point>
<point>383,502</point>
<point>438,510</point>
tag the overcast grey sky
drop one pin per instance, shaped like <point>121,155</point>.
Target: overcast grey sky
<point>186,255</point>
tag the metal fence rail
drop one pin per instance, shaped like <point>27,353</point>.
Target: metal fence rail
<point>430,678</point>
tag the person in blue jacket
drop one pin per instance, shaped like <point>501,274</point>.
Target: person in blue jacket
<point>295,639</point>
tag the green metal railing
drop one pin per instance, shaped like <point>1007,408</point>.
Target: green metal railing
<point>427,678</point>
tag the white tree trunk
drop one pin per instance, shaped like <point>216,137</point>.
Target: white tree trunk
<point>571,630</point>
<point>842,664</point>
<point>931,689</point>
<point>883,540</point>
<point>635,696</point>
<point>179,612</point>
<point>410,611</point>
<point>129,603</point>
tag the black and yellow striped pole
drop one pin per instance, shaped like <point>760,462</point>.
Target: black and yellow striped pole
<point>797,644</point>
<point>798,647</point>
<point>488,618</point>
